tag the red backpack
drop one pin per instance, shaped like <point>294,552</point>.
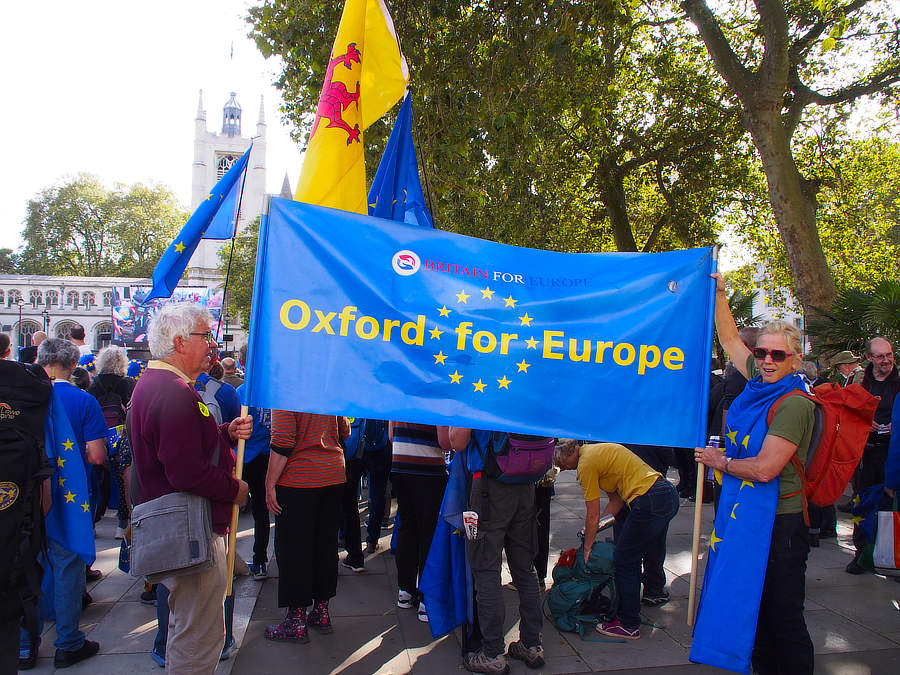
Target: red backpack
<point>842,424</point>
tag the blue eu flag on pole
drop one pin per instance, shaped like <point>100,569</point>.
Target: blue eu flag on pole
<point>70,521</point>
<point>396,192</point>
<point>446,580</point>
<point>223,198</point>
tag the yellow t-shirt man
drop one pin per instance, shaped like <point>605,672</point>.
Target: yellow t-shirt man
<point>610,467</point>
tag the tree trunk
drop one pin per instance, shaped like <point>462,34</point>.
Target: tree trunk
<point>617,209</point>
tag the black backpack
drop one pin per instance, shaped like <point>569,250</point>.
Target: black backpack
<point>110,401</point>
<point>25,392</point>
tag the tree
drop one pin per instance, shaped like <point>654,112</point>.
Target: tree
<point>781,58</point>
<point>857,315</point>
<point>574,125</point>
<point>80,228</point>
<point>242,271</point>
<point>9,261</point>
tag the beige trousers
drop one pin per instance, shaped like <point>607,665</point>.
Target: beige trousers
<point>197,617</point>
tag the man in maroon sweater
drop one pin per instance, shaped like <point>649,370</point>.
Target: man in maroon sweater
<point>178,447</point>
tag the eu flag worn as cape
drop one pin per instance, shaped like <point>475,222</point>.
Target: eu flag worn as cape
<point>725,629</point>
<point>171,266</point>
<point>396,192</point>
<point>69,521</point>
<point>446,580</point>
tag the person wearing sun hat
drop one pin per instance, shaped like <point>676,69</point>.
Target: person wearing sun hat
<point>847,368</point>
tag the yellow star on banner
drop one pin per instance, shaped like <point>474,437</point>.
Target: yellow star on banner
<point>487,293</point>
<point>526,320</point>
<point>439,357</point>
<point>443,311</point>
<point>61,481</point>
<point>510,302</point>
<point>462,297</point>
<point>70,497</point>
<point>455,377</point>
<point>504,383</point>
<point>746,482</point>
<point>857,519</point>
<point>179,247</point>
<point>436,334</point>
<point>746,440</point>
<point>86,507</point>
<point>732,510</point>
<point>732,436</point>
<point>532,343</point>
<point>209,196</point>
<point>60,462</point>
<point>68,445</point>
<point>523,367</point>
<point>479,386</point>
<point>713,540</point>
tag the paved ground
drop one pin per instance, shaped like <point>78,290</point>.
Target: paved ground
<point>854,620</point>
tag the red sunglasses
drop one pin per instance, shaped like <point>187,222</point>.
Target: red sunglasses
<point>778,355</point>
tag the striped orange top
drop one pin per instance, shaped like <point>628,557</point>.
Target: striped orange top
<point>316,458</point>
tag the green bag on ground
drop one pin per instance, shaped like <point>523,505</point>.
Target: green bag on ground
<point>583,594</point>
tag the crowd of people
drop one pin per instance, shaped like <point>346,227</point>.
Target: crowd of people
<point>180,415</point>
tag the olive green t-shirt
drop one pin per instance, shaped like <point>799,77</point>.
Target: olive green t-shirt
<point>793,421</point>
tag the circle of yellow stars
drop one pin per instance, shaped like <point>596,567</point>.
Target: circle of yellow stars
<point>462,298</point>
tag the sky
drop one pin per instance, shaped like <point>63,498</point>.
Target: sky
<point>111,88</point>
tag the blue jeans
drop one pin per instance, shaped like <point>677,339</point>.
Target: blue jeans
<point>63,589</point>
<point>162,619</point>
<point>642,538</point>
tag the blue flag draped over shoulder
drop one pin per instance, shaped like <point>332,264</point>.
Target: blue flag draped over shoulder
<point>220,206</point>
<point>396,192</point>
<point>725,629</point>
<point>69,521</point>
<point>446,580</point>
<point>439,328</point>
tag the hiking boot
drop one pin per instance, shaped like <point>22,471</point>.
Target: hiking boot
<point>532,656</point>
<point>292,628</point>
<point>259,570</point>
<point>64,659</point>
<point>615,628</point>
<point>319,618</point>
<point>478,662</point>
<point>404,600</point>
<point>353,565</point>
<point>655,598</point>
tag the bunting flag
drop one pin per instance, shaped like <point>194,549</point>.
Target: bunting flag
<point>446,581</point>
<point>70,522</point>
<point>175,260</point>
<point>396,192</point>
<point>439,328</point>
<point>365,76</point>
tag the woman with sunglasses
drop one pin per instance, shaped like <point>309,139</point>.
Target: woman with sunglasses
<point>758,453</point>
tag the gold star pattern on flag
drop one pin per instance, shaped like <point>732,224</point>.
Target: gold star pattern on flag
<point>713,540</point>
<point>479,386</point>
<point>179,247</point>
<point>526,320</point>
<point>68,445</point>
<point>510,302</point>
<point>746,441</point>
<point>436,334</point>
<point>61,481</point>
<point>209,196</point>
<point>443,311</point>
<point>70,497</point>
<point>455,377</point>
<point>440,357</point>
<point>523,367</point>
<point>463,297</point>
<point>532,343</point>
<point>747,483</point>
<point>732,510</point>
<point>60,462</point>
<point>732,437</point>
<point>487,293</point>
<point>504,383</point>
<point>857,519</point>
<point>86,507</point>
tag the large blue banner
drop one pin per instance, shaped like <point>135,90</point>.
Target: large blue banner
<point>372,318</point>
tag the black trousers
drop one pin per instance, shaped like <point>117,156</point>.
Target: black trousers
<point>306,534</point>
<point>418,506</point>
<point>255,477</point>
<point>350,512</point>
<point>783,646</point>
<point>869,472</point>
<point>542,497</point>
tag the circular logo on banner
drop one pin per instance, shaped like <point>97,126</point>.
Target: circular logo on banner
<point>9,493</point>
<point>406,263</point>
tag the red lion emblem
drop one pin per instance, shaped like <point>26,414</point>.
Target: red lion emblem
<point>335,98</point>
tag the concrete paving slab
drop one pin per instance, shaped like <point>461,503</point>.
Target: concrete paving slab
<point>874,608</point>
<point>127,628</point>
<point>832,633</point>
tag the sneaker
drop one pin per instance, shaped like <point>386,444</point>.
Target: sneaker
<point>227,650</point>
<point>854,568</point>
<point>615,628</point>
<point>293,627</point>
<point>149,597</point>
<point>371,547</point>
<point>404,600</point>
<point>28,656</point>
<point>422,613</point>
<point>532,656</point>
<point>353,566</point>
<point>319,618</point>
<point>64,659</point>
<point>158,659</point>
<point>478,662</point>
<point>120,533</point>
<point>258,570</point>
<point>655,598</point>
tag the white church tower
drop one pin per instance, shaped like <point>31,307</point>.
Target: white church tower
<point>214,153</point>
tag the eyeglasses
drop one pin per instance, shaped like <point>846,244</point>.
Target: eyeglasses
<point>778,355</point>
<point>881,357</point>
<point>208,336</point>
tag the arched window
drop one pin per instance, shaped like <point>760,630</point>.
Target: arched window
<point>102,334</point>
<point>52,298</point>
<point>26,328</point>
<point>89,299</point>
<point>107,298</point>
<point>223,163</point>
<point>35,297</point>
<point>14,296</point>
<point>61,330</point>
<point>72,298</point>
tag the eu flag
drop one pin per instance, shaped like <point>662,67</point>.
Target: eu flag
<point>70,521</point>
<point>396,192</point>
<point>446,580</point>
<point>171,266</point>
